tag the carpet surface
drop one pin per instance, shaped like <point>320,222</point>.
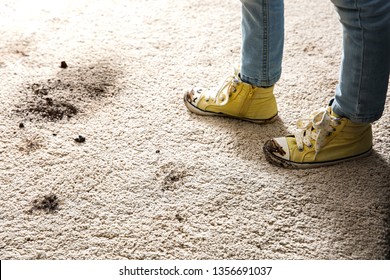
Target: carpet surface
<point>100,159</point>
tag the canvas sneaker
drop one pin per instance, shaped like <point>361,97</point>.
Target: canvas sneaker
<point>323,139</point>
<point>234,98</point>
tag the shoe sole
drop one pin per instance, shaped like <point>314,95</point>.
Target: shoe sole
<point>270,157</point>
<point>198,111</point>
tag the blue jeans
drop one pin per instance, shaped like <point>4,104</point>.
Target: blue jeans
<point>361,92</point>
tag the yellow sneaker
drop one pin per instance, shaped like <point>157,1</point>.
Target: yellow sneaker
<point>236,99</point>
<point>324,139</point>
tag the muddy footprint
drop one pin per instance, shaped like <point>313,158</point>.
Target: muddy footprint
<point>172,176</point>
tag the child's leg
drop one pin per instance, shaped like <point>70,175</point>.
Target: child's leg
<point>364,77</point>
<point>248,95</point>
<point>332,136</point>
<point>262,41</point>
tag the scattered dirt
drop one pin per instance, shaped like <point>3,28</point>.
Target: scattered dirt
<point>52,110</point>
<point>172,176</point>
<point>19,48</point>
<point>21,53</point>
<point>49,203</point>
<point>40,256</point>
<point>64,65</point>
<point>179,218</point>
<point>173,179</point>
<point>80,139</point>
<point>69,93</point>
<point>312,49</point>
<point>31,144</point>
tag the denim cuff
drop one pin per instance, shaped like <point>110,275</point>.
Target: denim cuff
<point>353,117</point>
<point>258,82</point>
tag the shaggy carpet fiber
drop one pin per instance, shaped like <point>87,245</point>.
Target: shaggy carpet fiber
<point>99,158</point>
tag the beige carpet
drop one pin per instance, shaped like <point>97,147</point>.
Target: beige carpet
<point>151,180</point>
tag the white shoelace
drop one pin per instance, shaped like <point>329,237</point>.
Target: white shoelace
<point>317,128</point>
<point>220,95</point>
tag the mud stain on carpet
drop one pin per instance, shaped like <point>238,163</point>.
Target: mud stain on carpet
<point>48,204</point>
<point>30,144</point>
<point>70,92</point>
<point>172,176</point>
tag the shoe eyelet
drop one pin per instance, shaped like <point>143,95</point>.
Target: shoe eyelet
<point>310,146</point>
<point>329,134</point>
<point>300,149</point>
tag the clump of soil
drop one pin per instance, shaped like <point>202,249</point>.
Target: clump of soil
<point>80,139</point>
<point>49,204</point>
<point>64,65</point>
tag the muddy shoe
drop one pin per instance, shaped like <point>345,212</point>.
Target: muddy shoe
<point>236,99</point>
<point>323,139</point>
